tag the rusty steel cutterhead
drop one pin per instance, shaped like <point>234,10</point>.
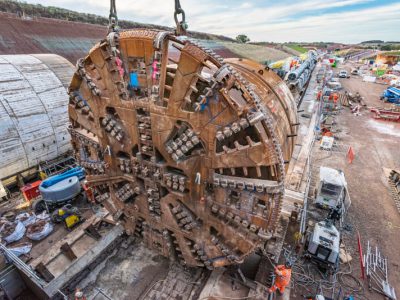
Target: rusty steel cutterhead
<point>186,149</point>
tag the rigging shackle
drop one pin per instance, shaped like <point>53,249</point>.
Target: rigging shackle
<point>181,25</point>
<point>113,18</point>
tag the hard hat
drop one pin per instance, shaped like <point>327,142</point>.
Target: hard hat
<point>78,294</point>
<point>319,297</point>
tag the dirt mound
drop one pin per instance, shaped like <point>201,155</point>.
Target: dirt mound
<point>71,40</point>
<point>36,227</point>
<point>8,228</point>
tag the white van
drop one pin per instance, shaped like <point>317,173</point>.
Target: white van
<point>331,189</point>
<point>343,74</point>
<point>335,86</point>
<point>354,72</point>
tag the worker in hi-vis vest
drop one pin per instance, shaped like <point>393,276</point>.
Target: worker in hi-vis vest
<point>283,274</point>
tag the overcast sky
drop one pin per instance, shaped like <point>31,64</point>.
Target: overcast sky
<point>347,21</point>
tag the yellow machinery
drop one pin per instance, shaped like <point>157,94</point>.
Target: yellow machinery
<point>69,214</point>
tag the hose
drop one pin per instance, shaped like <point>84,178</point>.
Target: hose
<point>231,298</point>
<point>304,277</point>
<point>357,288</point>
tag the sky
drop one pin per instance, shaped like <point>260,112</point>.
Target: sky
<point>346,21</point>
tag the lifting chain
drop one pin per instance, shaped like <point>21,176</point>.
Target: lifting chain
<point>113,18</point>
<point>181,26</point>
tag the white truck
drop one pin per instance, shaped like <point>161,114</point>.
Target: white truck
<point>343,74</point>
<point>355,72</point>
<point>331,189</point>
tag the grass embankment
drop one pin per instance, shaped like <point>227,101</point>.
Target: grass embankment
<point>261,54</point>
<point>349,51</point>
<point>297,48</point>
<point>391,53</point>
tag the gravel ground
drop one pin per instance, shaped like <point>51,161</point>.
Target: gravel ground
<point>373,212</point>
<point>127,274</point>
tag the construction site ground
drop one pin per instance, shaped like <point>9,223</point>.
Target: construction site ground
<point>134,272</point>
<point>377,146</point>
<point>373,212</point>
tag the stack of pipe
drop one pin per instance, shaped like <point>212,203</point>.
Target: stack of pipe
<point>299,77</point>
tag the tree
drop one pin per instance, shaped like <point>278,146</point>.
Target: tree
<point>386,47</point>
<point>242,38</point>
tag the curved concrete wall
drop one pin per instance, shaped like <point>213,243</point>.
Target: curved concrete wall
<point>33,110</point>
